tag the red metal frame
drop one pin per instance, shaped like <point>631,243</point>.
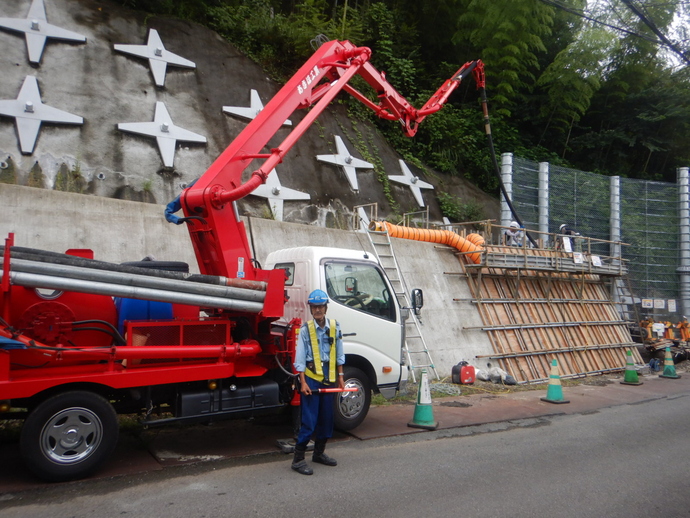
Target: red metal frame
<point>220,244</point>
<point>220,240</point>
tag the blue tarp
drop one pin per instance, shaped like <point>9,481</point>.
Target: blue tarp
<point>8,343</point>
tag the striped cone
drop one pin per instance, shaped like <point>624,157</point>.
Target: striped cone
<point>554,392</point>
<point>631,377</point>
<point>669,368</point>
<point>423,411</point>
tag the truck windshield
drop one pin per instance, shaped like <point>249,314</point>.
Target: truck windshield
<point>361,287</point>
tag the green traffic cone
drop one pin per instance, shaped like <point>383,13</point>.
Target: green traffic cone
<point>669,368</point>
<point>554,392</point>
<point>631,377</point>
<point>423,411</point>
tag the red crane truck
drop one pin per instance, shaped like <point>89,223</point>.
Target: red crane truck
<point>83,340</point>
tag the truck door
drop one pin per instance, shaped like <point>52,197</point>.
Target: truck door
<point>368,311</point>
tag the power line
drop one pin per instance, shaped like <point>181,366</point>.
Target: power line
<point>662,41</point>
<point>656,30</point>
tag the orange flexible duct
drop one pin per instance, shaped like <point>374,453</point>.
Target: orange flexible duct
<point>473,242</point>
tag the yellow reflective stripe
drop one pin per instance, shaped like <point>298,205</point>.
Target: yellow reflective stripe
<point>316,353</point>
<point>332,359</point>
<point>315,349</point>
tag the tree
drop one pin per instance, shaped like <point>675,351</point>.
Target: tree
<point>508,36</point>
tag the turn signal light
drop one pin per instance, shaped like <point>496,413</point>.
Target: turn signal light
<point>212,385</point>
<point>386,369</point>
<point>5,406</point>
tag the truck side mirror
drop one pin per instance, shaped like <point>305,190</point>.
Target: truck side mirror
<point>351,285</point>
<point>417,301</point>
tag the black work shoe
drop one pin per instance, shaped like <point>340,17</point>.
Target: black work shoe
<point>322,458</point>
<point>302,468</point>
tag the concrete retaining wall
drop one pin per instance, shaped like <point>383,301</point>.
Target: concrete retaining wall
<point>121,231</point>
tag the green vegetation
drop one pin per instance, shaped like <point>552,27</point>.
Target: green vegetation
<point>562,88</point>
<point>457,211</point>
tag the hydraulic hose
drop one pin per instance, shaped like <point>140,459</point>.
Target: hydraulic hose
<point>497,169</point>
<point>472,244</point>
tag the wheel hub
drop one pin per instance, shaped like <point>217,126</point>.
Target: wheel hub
<point>351,403</point>
<point>71,435</point>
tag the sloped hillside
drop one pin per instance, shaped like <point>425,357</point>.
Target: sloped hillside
<point>107,87</point>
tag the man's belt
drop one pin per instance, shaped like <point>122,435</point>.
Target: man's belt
<point>324,368</point>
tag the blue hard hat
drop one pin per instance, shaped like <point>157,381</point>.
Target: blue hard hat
<point>318,298</point>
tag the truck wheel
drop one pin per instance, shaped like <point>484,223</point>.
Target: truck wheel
<point>352,407</point>
<point>68,436</point>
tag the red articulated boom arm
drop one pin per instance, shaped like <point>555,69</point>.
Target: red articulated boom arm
<point>218,235</point>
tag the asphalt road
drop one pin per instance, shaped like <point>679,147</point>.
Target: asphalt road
<point>624,461</point>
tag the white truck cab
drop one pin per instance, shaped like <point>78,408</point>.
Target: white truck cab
<point>371,319</point>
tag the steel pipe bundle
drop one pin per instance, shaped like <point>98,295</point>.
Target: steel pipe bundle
<point>137,280</point>
<point>32,280</point>
<point>45,256</point>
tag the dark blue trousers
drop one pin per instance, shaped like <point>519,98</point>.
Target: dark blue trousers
<point>317,414</point>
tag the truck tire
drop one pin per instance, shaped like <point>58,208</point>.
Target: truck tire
<point>68,436</point>
<point>352,407</point>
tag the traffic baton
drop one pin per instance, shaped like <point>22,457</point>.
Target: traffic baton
<point>327,390</point>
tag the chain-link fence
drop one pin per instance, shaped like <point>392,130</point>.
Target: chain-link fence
<point>526,191</point>
<point>649,225</point>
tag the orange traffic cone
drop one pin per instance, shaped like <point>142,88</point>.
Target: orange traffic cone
<point>631,377</point>
<point>554,392</point>
<point>423,411</point>
<point>669,368</point>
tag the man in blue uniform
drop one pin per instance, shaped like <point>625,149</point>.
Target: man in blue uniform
<point>319,360</point>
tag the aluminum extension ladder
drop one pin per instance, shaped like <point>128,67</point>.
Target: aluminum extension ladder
<point>417,353</point>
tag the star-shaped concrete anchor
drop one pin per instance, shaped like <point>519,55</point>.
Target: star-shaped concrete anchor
<point>255,106</point>
<point>158,57</point>
<point>416,185</point>
<point>36,30</point>
<point>277,194</point>
<point>165,132</point>
<point>29,113</point>
<point>348,163</point>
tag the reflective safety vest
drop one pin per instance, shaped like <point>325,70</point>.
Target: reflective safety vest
<point>317,374</point>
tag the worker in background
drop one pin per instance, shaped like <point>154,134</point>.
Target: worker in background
<point>684,331</point>
<point>319,360</point>
<point>646,329</point>
<point>513,235</point>
<point>668,331</point>
<point>567,232</point>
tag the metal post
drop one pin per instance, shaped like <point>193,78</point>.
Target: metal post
<point>544,202</point>
<point>507,178</point>
<point>684,238</point>
<point>615,226</point>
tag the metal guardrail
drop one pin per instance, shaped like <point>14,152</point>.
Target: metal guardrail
<point>516,259</point>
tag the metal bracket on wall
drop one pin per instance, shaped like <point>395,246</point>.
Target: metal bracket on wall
<point>255,106</point>
<point>407,178</point>
<point>347,162</point>
<point>29,113</point>
<point>37,30</point>
<point>164,131</point>
<point>276,194</point>
<point>158,57</point>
